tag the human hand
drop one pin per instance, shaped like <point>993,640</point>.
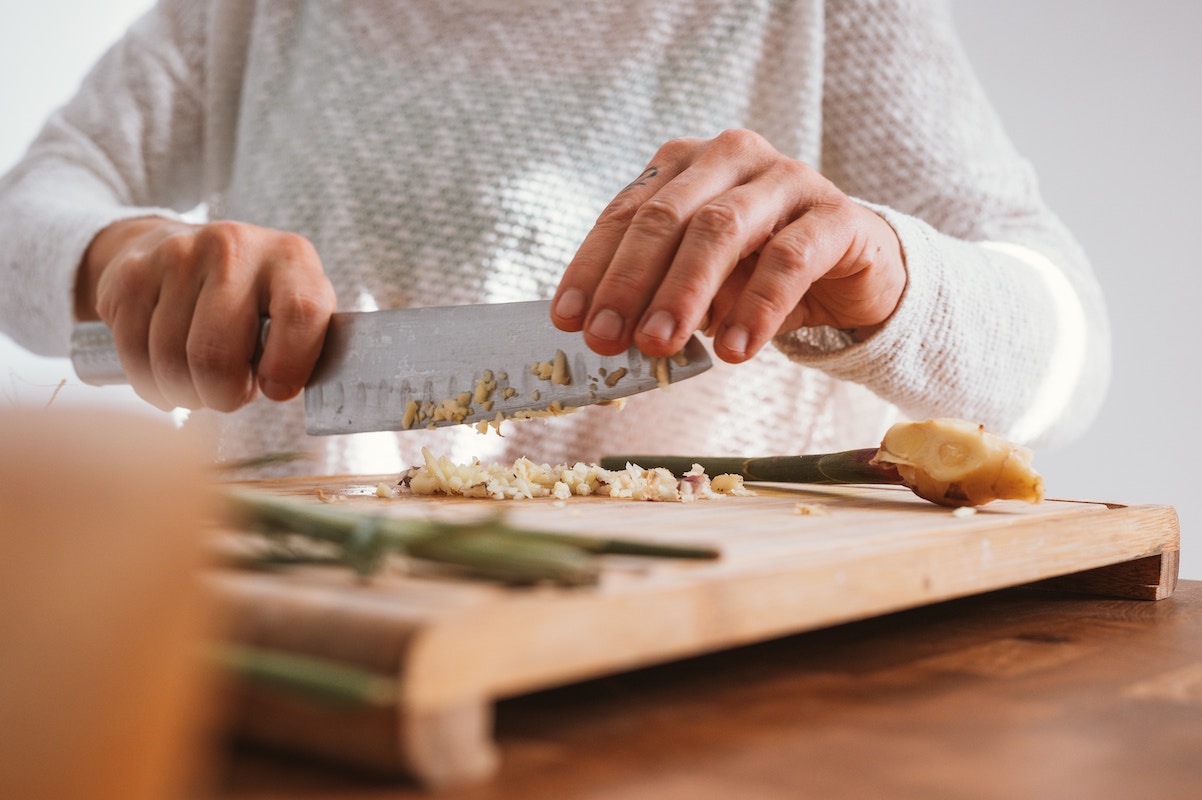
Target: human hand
<point>728,236</point>
<point>184,303</point>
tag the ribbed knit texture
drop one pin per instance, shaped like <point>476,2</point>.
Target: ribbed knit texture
<point>455,151</point>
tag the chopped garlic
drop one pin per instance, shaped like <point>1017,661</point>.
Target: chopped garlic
<point>526,480</point>
<point>731,484</point>
<point>662,372</point>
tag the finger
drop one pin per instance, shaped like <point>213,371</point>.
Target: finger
<point>788,265</point>
<point>131,336</point>
<point>167,342</point>
<point>299,299</point>
<point>207,308</point>
<point>721,233</point>
<point>221,346</point>
<point>647,251</point>
<point>727,294</point>
<point>127,295</point>
<point>171,321</point>
<point>574,295</point>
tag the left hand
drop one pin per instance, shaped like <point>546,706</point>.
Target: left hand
<point>728,236</point>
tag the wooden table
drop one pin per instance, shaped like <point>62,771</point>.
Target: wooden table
<point>1019,693</point>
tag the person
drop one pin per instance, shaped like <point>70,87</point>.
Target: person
<point>822,188</point>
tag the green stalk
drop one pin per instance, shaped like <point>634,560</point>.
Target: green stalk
<point>848,466</point>
<point>513,559</point>
<point>311,678</point>
<point>487,548</point>
<point>625,547</point>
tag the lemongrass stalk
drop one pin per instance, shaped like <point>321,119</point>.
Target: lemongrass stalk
<point>848,466</point>
<point>950,462</point>
<point>508,558</point>
<point>311,678</point>
<point>336,525</point>
<point>626,547</point>
<point>493,550</point>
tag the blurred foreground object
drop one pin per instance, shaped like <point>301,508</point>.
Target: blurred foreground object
<point>102,616</point>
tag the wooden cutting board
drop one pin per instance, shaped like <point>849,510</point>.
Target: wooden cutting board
<point>455,645</point>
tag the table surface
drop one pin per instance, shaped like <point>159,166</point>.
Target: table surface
<point>1020,693</point>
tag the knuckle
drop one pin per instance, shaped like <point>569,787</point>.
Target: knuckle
<point>764,303</point>
<point>791,252</point>
<point>219,247</point>
<point>301,306</point>
<point>799,172</point>
<point>295,249</point>
<point>659,216</point>
<point>176,248</point>
<point>718,221</point>
<point>619,213</point>
<point>688,298</point>
<point>619,287</point>
<point>676,150</point>
<point>741,140</point>
<point>221,238</point>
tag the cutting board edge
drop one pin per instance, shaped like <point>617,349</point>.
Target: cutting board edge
<point>437,658</point>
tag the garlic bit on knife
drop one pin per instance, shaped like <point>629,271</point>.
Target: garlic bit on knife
<point>957,463</point>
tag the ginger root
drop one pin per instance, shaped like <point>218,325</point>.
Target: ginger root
<point>957,463</point>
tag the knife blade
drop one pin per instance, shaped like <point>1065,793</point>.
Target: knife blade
<point>415,368</point>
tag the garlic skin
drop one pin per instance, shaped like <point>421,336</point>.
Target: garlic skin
<point>956,463</point>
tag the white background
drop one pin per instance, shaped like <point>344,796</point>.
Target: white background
<point>1102,95</point>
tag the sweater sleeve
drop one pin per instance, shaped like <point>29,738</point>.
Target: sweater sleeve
<point>126,145</point>
<point>1002,321</point>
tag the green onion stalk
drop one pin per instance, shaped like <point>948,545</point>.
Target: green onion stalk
<point>488,548</point>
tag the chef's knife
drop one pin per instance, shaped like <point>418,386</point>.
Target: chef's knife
<point>416,368</point>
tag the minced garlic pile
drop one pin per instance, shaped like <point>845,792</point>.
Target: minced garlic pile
<point>525,479</point>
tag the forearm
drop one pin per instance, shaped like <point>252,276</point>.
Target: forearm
<point>128,144</point>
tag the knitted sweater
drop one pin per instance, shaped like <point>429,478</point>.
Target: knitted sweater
<point>457,151</point>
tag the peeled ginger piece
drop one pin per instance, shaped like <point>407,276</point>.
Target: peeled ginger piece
<point>957,463</point>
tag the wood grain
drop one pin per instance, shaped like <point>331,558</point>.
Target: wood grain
<point>456,647</point>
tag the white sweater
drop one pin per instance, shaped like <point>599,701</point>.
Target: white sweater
<point>457,151</point>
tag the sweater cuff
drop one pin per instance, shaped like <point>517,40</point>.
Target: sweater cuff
<point>49,320</point>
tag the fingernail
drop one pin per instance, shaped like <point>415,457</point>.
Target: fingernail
<point>735,339</point>
<point>607,325</point>
<point>570,303</point>
<point>660,325</point>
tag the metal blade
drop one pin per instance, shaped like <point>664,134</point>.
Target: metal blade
<point>416,368</point>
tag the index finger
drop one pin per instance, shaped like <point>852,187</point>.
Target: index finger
<point>584,272</point>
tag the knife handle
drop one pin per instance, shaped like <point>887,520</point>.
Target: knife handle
<point>94,354</point>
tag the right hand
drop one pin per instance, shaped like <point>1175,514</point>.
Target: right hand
<point>184,302</point>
